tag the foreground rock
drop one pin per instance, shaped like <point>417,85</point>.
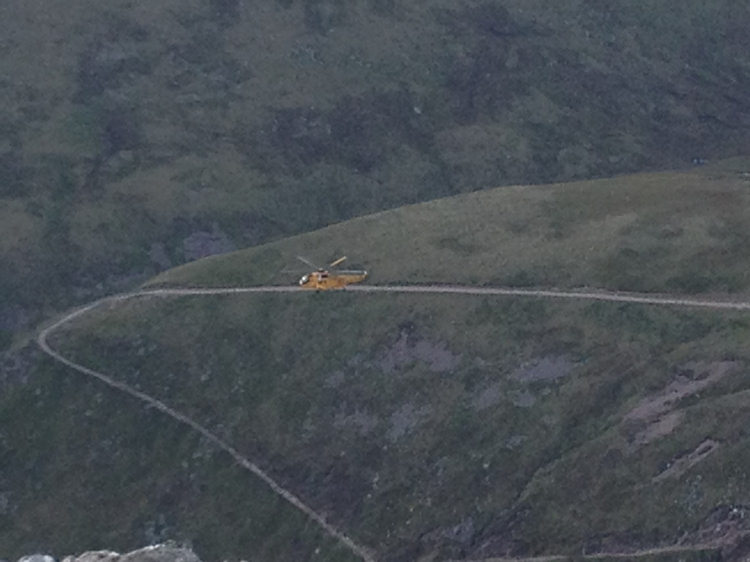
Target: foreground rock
<point>156,553</point>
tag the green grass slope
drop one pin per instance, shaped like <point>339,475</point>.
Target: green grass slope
<point>83,469</point>
<point>137,136</point>
<point>680,232</point>
<point>427,427</point>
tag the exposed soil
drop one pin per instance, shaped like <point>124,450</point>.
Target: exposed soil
<point>656,416</point>
<point>658,428</point>
<point>681,464</point>
<point>692,379</point>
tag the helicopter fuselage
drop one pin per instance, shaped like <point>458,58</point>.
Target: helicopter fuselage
<point>323,280</point>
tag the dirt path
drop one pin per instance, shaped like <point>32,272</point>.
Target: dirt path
<point>673,549</point>
<point>635,298</point>
<point>361,551</point>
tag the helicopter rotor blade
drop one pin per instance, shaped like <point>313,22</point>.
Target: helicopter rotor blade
<point>337,262</point>
<point>307,262</point>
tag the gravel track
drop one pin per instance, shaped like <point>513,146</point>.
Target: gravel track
<point>358,550</point>
<point>672,549</point>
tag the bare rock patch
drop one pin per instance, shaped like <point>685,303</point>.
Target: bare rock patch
<point>548,368</point>
<point>487,397</point>
<point>203,243</point>
<point>362,421</point>
<point>410,348</point>
<point>693,378</point>
<point>404,420</point>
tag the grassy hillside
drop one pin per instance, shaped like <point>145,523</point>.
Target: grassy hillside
<point>679,232</point>
<point>81,468</point>
<point>138,136</point>
<point>427,427</point>
<point>445,426</point>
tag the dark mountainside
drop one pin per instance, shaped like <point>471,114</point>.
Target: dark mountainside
<point>140,136</point>
<point>425,426</point>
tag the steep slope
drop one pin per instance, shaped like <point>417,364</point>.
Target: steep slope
<point>426,426</point>
<point>684,232</point>
<point>140,136</point>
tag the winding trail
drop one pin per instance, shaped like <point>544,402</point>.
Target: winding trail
<point>358,550</point>
<point>655,551</point>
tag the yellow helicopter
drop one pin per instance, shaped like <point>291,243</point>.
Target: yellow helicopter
<point>323,279</point>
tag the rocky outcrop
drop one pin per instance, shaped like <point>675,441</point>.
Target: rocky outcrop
<point>155,553</point>
<point>201,244</point>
